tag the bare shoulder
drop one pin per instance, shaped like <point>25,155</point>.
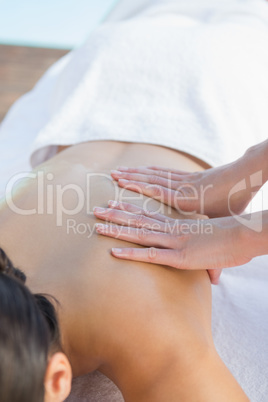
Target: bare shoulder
<point>156,327</point>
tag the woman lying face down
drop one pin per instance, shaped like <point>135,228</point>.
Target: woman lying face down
<point>144,326</point>
<point>33,367</point>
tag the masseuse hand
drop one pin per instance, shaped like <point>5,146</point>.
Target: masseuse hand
<point>209,244</point>
<point>215,192</point>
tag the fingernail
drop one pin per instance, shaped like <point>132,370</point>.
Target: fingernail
<point>117,250</point>
<point>124,168</point>
<point>100,227</point>
<point>123,181</point>
<point>112,203</point>
<point>116,172</point>
<point>99,210</point>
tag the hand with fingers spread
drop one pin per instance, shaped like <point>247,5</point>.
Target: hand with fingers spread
<point>210,244</point>
<point>215,192</point>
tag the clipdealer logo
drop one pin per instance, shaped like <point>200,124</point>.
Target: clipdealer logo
<point>251,222</point>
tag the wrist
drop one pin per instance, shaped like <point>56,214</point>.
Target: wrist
<point>236,237</point>
<point>254,233</point>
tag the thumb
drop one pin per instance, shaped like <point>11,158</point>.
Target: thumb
<point>214,275</point>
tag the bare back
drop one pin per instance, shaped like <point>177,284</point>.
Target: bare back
<point>104,302</point>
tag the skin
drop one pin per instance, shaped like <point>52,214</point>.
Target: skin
<point>208,192</point>
<point>177,243</point>
<point>58,378</point>
<point>218,192</point>
<point>146,327</point>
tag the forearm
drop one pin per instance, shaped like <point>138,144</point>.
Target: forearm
<point>255,233</point>
<point>256,158</point>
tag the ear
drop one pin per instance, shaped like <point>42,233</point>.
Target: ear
<point>58,378</point>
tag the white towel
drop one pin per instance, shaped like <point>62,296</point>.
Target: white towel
<point>240,302</point>
<point>185,78</point>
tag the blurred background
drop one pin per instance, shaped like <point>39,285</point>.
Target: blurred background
<point>34,34</point>
<point>52,23</point>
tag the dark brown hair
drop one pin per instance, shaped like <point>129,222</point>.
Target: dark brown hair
<point>28,333</point>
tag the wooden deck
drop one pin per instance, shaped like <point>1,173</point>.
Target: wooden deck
<point>20,69</point>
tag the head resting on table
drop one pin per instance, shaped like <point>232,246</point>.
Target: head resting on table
<point>32,365</point>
